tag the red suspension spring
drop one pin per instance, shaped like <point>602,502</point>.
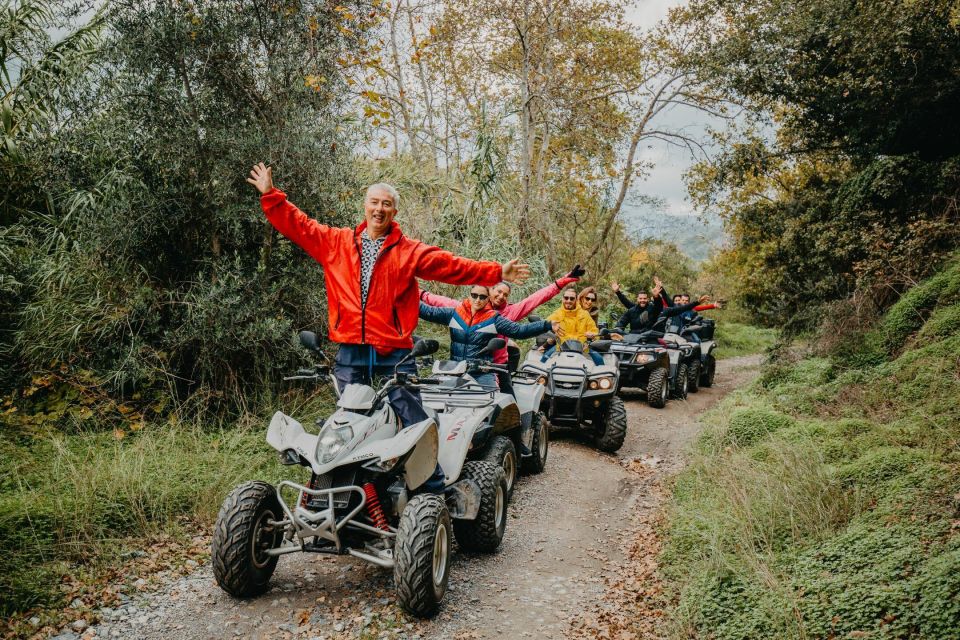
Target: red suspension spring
<point>374,510</point>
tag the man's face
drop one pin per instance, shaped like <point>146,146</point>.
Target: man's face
<point>379,210</point>
<point>684,299</point>
<point>677,299</point>
<point>499,295</point>
<point>569,300</point>
<point>642,299</point>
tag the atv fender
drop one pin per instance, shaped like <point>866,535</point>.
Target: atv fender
<point>285,434</point>
<point>456,433</point>
<point>528,397</point>
<point>421,438</point>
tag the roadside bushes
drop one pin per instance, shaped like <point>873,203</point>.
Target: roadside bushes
<point>834,517</point>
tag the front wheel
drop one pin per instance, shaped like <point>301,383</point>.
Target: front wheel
<point>658,388</point>
<point>614,427</point>
<point>537,461</point>
<point>485,532</point>
<point>503,454</point>
<point>242,536</point>
<point>708,372</point>
<point>680,385</point>
<point>693,376</point>
<point>421,567</point>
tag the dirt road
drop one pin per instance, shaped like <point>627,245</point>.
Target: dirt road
<point>577,533</point>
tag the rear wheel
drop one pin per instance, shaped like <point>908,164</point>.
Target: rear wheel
<point>658,388</point>
<point>693,376</point>
<point>614,428</point>
<point>502,453</point>
<point>485,532</point>
<point>242,536</point>
<point>537,461</point>
<point>422,555</point>
<point>709,371</point>
<point>681,383</point>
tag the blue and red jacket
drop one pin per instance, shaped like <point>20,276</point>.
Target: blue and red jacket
<point>470,332</point>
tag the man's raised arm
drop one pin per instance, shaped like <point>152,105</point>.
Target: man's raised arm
<point>293,223</point>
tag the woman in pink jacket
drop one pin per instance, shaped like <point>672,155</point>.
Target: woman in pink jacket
<point>516,311</point>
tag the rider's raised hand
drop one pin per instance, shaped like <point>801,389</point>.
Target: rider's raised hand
<point>576,272</point>
<point>704,299</point>
<point>514,271</point>
<point>261,176</point>
<point>615,286</point>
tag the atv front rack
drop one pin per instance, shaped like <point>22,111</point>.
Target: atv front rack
<point>575,372</point>
<point>325,525</point>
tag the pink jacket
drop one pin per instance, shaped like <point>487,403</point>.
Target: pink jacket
<point>515,311</point>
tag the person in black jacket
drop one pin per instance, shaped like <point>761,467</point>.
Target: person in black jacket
<point>642,314</point>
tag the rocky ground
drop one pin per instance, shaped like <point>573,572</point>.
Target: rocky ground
<point>578,560</point>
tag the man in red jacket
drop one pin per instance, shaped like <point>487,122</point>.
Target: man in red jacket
<point>371,278</point>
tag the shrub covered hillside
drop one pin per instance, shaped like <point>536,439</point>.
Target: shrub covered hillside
<point>824,501</point>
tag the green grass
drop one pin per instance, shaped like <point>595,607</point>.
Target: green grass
<point>74,502</point>
<point>823,501</point>
<point>735,339</point>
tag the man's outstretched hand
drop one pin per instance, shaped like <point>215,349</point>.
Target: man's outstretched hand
<point>576,272</point>
<point>261,176</point>
<point>515,272</point>
<point>615,286</point>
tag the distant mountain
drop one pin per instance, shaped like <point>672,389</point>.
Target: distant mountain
<point>693,236</point>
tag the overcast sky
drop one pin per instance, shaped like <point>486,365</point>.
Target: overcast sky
<point>665,180</point>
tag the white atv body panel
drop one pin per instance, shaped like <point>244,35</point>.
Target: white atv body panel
<point>456,433</point>
<point>286,433</point>
<point>528,397</point>
<point>419,467</point>
<point>707,347</point>
<point>358,397</point>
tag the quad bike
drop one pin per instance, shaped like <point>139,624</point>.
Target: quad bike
<point>703,328</point>
<point>367,496</point>
<point>644,363</point>
<point>497,425</point>
<point>580,394</point>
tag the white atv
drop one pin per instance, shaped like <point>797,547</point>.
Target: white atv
<point>366,496</point>
<point>497,425</point>
<point>581,394</point>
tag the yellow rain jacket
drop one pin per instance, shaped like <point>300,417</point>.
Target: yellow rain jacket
<point>575,324</point>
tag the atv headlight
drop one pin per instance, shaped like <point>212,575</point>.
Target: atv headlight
<point>643,358</point>
<point>594,384</point>
<point>542,380</point>
<point>606,383</point>
<point>332,442</point>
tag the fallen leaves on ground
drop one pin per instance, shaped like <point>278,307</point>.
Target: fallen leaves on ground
<point>632,606</point>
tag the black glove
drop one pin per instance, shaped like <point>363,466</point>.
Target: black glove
<point>576,272</point>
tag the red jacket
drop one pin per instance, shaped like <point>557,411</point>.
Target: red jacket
<point>393,302</point>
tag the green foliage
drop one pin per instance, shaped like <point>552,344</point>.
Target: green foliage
<point>873,76</point>
<point>836,519</point>
<point>735,339</point>
<point>76,501</point>
<point>750,425</point>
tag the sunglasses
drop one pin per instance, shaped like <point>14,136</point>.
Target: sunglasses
<point>569,298</point>
<point>478,296</point>
<point>591,299</point>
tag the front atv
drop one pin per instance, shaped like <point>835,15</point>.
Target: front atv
<point>372,495</point>
<point>580,394</point>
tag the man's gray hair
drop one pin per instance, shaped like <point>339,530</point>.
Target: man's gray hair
<point>389,188</point>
